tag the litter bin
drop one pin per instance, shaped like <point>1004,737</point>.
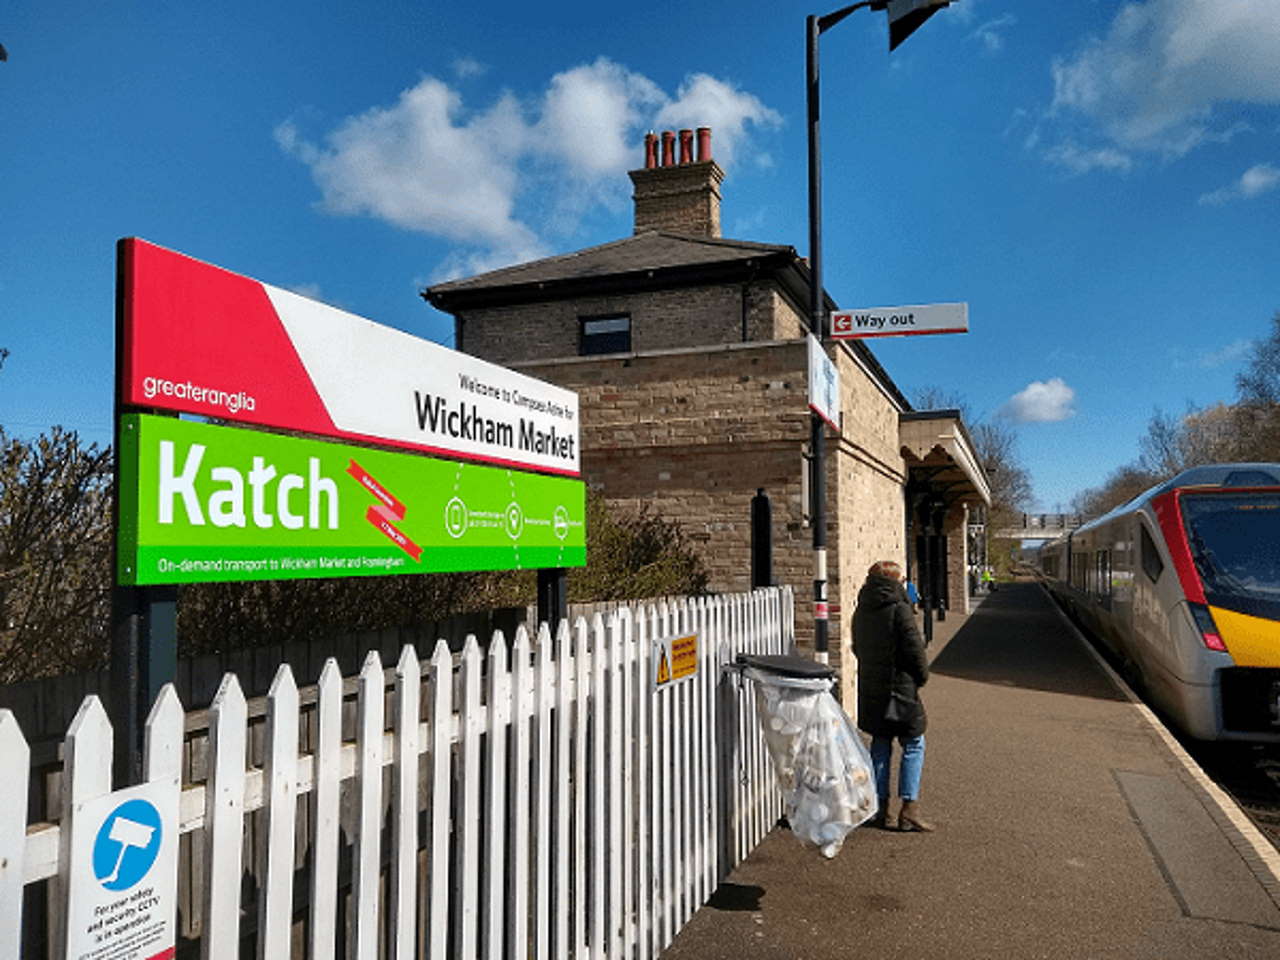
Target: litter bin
<point>823,766</point>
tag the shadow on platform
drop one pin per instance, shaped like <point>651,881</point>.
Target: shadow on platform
<point>1016,638</point>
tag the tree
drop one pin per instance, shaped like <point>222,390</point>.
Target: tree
<point>1121,486</point>
<point>631,556</point>
<point>55,555</point>
<point>1258,390</point>
<point>1259,382</point>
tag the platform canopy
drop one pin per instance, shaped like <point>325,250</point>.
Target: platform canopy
<point>941,458</point>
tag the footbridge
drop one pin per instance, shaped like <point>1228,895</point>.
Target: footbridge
<point>1037,526</point>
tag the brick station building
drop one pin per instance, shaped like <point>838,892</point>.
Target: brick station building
<point>690,358</point>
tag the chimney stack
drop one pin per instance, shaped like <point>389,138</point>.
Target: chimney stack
<point>678,195</point>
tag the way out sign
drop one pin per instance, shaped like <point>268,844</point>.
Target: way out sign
<point>900,321</point>
<point>674,659</point>
<point>123,881</point>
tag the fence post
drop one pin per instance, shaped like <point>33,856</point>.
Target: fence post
<point>563,786</point>
<point>466,824</point>
<point>15,768</point>
<point>518,854</point>
<point>582,682</point>
<point>441,795</point>
<point>325,793</point>
<point>495,897</point>
<point>598,780</point>
<point>544,685</point>
<point>404,807</point>
<point>224,821</point>
<point>279,783</point>
<point>86,773</point>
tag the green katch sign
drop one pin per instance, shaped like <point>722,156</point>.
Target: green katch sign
<point>203,503</point>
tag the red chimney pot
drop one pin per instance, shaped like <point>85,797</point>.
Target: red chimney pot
<point>686,146</point>
<point>650,150</point>
<point>668,148</point>
<point>704,144</point>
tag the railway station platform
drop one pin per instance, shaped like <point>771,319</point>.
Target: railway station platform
<point>1069,826</point>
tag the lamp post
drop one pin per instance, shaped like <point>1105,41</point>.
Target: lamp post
<point>905,16</point>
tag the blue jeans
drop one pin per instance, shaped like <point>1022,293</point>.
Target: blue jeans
<point>909,770</point>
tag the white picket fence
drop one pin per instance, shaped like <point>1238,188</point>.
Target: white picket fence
<point>568,808</point>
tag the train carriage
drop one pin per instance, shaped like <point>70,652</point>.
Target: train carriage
<point>1182,584</point>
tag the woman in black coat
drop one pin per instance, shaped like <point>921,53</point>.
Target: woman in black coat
<point>891,669</point>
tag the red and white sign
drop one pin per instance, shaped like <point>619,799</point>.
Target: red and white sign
<point>200,339</point>
<point>900,321</point>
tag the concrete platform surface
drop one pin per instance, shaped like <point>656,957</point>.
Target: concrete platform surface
<point>1067,827</point>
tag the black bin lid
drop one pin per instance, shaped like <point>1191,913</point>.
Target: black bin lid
<point>785,665</point>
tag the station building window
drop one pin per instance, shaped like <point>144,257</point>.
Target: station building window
<point>605,334</point>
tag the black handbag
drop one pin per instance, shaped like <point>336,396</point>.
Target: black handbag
<point>899,708</point>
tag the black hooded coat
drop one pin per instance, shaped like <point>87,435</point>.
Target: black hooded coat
<point>890,658</point>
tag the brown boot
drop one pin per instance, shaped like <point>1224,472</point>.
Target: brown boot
<point>882,820</point>
<point>910,821</point>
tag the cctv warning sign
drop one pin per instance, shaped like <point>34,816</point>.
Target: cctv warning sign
<point>123,880</point>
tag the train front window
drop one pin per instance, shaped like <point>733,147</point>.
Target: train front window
<point>1235,542</point>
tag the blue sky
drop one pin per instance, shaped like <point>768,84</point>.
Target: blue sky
<point>1099,180</point>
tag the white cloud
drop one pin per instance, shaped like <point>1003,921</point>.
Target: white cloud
<point>991,33</point>
<point>1076,159</point>
<point>1185,359</point>
<point>1161,78</point>
<point>479,178</point>
<point>1041,402</point>
<point>1257,180</point>
<point>465,67</point>
<point>590,113</point>
<point>421,166</point>
<point>704,101</point>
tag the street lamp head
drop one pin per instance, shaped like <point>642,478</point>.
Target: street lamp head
<point>906,16</point>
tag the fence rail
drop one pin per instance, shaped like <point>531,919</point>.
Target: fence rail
<point>538,798</point>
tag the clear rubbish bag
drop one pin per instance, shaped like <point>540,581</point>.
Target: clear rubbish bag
<point>823,766</point>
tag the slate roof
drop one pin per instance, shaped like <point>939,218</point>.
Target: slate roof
<point>653,250</point>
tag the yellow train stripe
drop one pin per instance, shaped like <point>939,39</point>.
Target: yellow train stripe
<point>1251,641</point>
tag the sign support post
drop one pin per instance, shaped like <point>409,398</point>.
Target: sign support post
<point>144,620</point>
<point>144,657</point>
<point>905,17</point>
<point>553,597</point>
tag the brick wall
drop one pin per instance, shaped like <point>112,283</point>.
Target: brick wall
<point>660,320</point>
<point>681,199</point>
<point>694,433</point>
<point>868,479</point>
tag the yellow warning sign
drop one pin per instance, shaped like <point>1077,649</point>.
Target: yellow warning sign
<point>684,657</point>
<point>675,658</point>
